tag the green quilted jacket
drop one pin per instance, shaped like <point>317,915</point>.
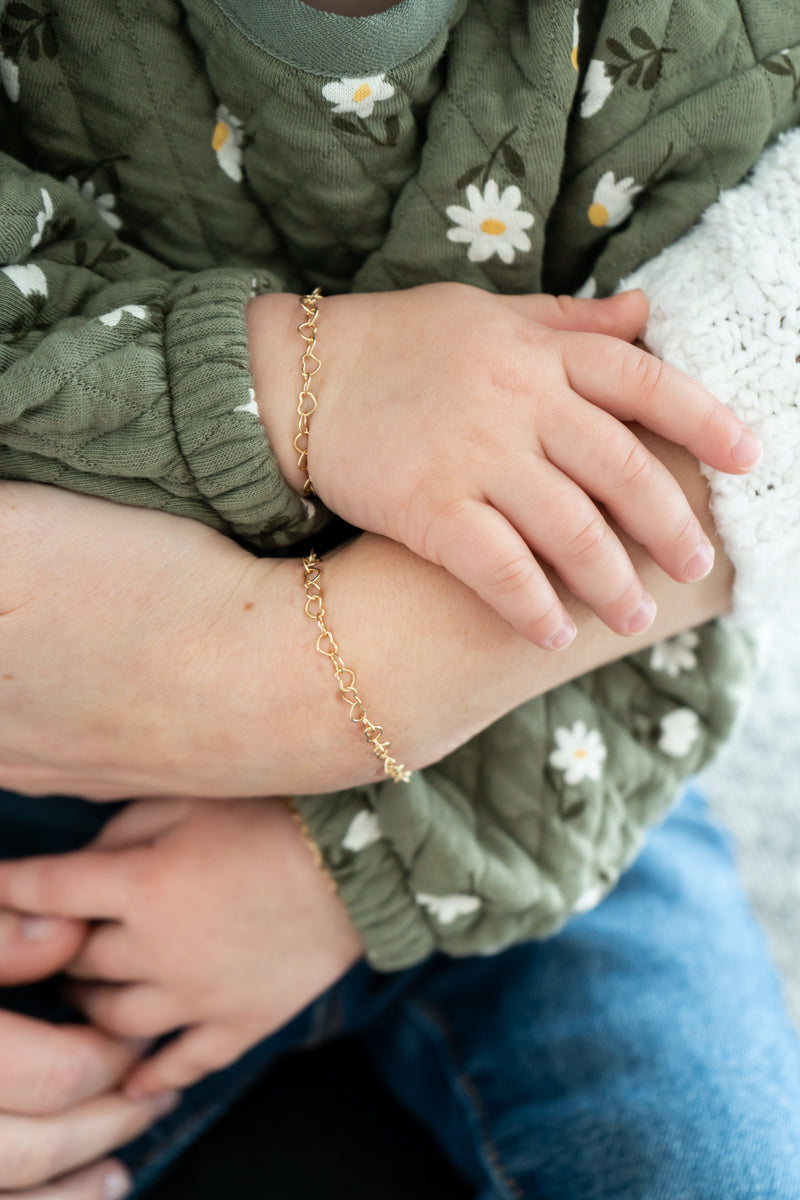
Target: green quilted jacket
<point>164,160</point>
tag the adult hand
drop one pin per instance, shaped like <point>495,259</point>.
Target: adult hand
<point>263,936</point>
<point>59,1108</point>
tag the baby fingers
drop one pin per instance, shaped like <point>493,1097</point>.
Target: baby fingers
<point>611,464</point>
<point>477,545</point>
<point>635,386</point>
<point>562,526</point>
<point>137,1010</point>
<point>107,954</point>
<point>189,1058</point>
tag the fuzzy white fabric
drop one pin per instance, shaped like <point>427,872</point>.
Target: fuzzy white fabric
<point>725,308</point>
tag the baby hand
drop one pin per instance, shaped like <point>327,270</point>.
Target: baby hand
<point>214,919</point>
<point>480,430</point>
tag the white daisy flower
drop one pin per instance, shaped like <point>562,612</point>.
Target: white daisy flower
<point>493,224</point>
<point>104,203</point>
<point>579,752</point>
<point>115,316</point>
<point>29,279</point>
<point>358,96</point>
<point>42,217</point>
<point>362,831</point>
<point>589,289</point>
<point>612,202</point>
<point>589,899</point>
<point>251,406</point>
<point>597,87</point>
<point>573,58</point>
<point>447,909</point>
<point>679,732</point>
<point>227,142</point>
<point>675,654</point>
<point>9,77</point>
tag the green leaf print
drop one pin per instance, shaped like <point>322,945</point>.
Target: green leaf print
<point>784,66</point>
<point>639,70</point>
<point>511,158</point>
<point>36,36</point>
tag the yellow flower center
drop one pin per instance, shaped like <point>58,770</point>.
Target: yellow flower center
<point>581,753</point>
<point>221,135</point>
<point>361,93</point>
<point>492,226</point>
<point>598,214</point>
<point>573,58</point>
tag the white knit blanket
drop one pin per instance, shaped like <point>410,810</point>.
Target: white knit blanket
<point>725,308</point>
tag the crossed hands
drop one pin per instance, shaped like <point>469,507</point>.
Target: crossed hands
<point>261,937</point>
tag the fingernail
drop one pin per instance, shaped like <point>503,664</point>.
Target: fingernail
<point>643,617</point>
<point>116,1183</point>
<point>746,450</point>
<point>165,1103</point>
<point>563,636</point>
<point>699,564</point>
<point>37,929</point>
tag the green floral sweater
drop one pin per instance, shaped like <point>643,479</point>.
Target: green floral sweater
<point>164,160</point>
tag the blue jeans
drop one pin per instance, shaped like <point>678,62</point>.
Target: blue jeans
<point>642,1054</point>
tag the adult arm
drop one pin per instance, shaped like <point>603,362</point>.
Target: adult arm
<point>156,620</point>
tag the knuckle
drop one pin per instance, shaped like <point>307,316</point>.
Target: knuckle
<point>62,1079</point>
<point>644,372</point>
<point>637,469</point>
<point>36,1154</point>
<point>512,576</point>
<point>590,542</point>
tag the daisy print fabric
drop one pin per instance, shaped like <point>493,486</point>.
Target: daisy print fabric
<point>612,201</point>
<point>494,223</point>
<point>357,95</point>
<point>580,752</point>
<point>227,142</point>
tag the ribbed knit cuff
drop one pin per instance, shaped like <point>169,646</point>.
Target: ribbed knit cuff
<point>214,411</point>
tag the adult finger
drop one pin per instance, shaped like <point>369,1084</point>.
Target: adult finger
<point>623,315</point>
<point>611,464</point>
<point>477,544</point>
<point>635,386</point>
<point>46,1068</point>
<point>82,884</point>
<point>106,1180</point>
<point>33,947</point>
<point>35,1150</point>
<point>189,1058</point>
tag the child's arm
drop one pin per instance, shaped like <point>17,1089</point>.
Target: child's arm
<point>479,430</point>
<point>215,920</point>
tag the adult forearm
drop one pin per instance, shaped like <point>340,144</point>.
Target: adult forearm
<point>435,664</point>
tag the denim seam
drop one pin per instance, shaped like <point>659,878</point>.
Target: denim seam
<point>434,1024</point>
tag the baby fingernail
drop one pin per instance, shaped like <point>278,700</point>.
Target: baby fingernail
<point>116,1184</point>
<point>36,929</point>
<point>563,636</point>
<point>746,450</point>
<point>643,617</point>
<point>699,564</point>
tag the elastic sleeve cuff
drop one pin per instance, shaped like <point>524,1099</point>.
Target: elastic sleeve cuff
<point>214,412</point>
<point>371,878</point>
